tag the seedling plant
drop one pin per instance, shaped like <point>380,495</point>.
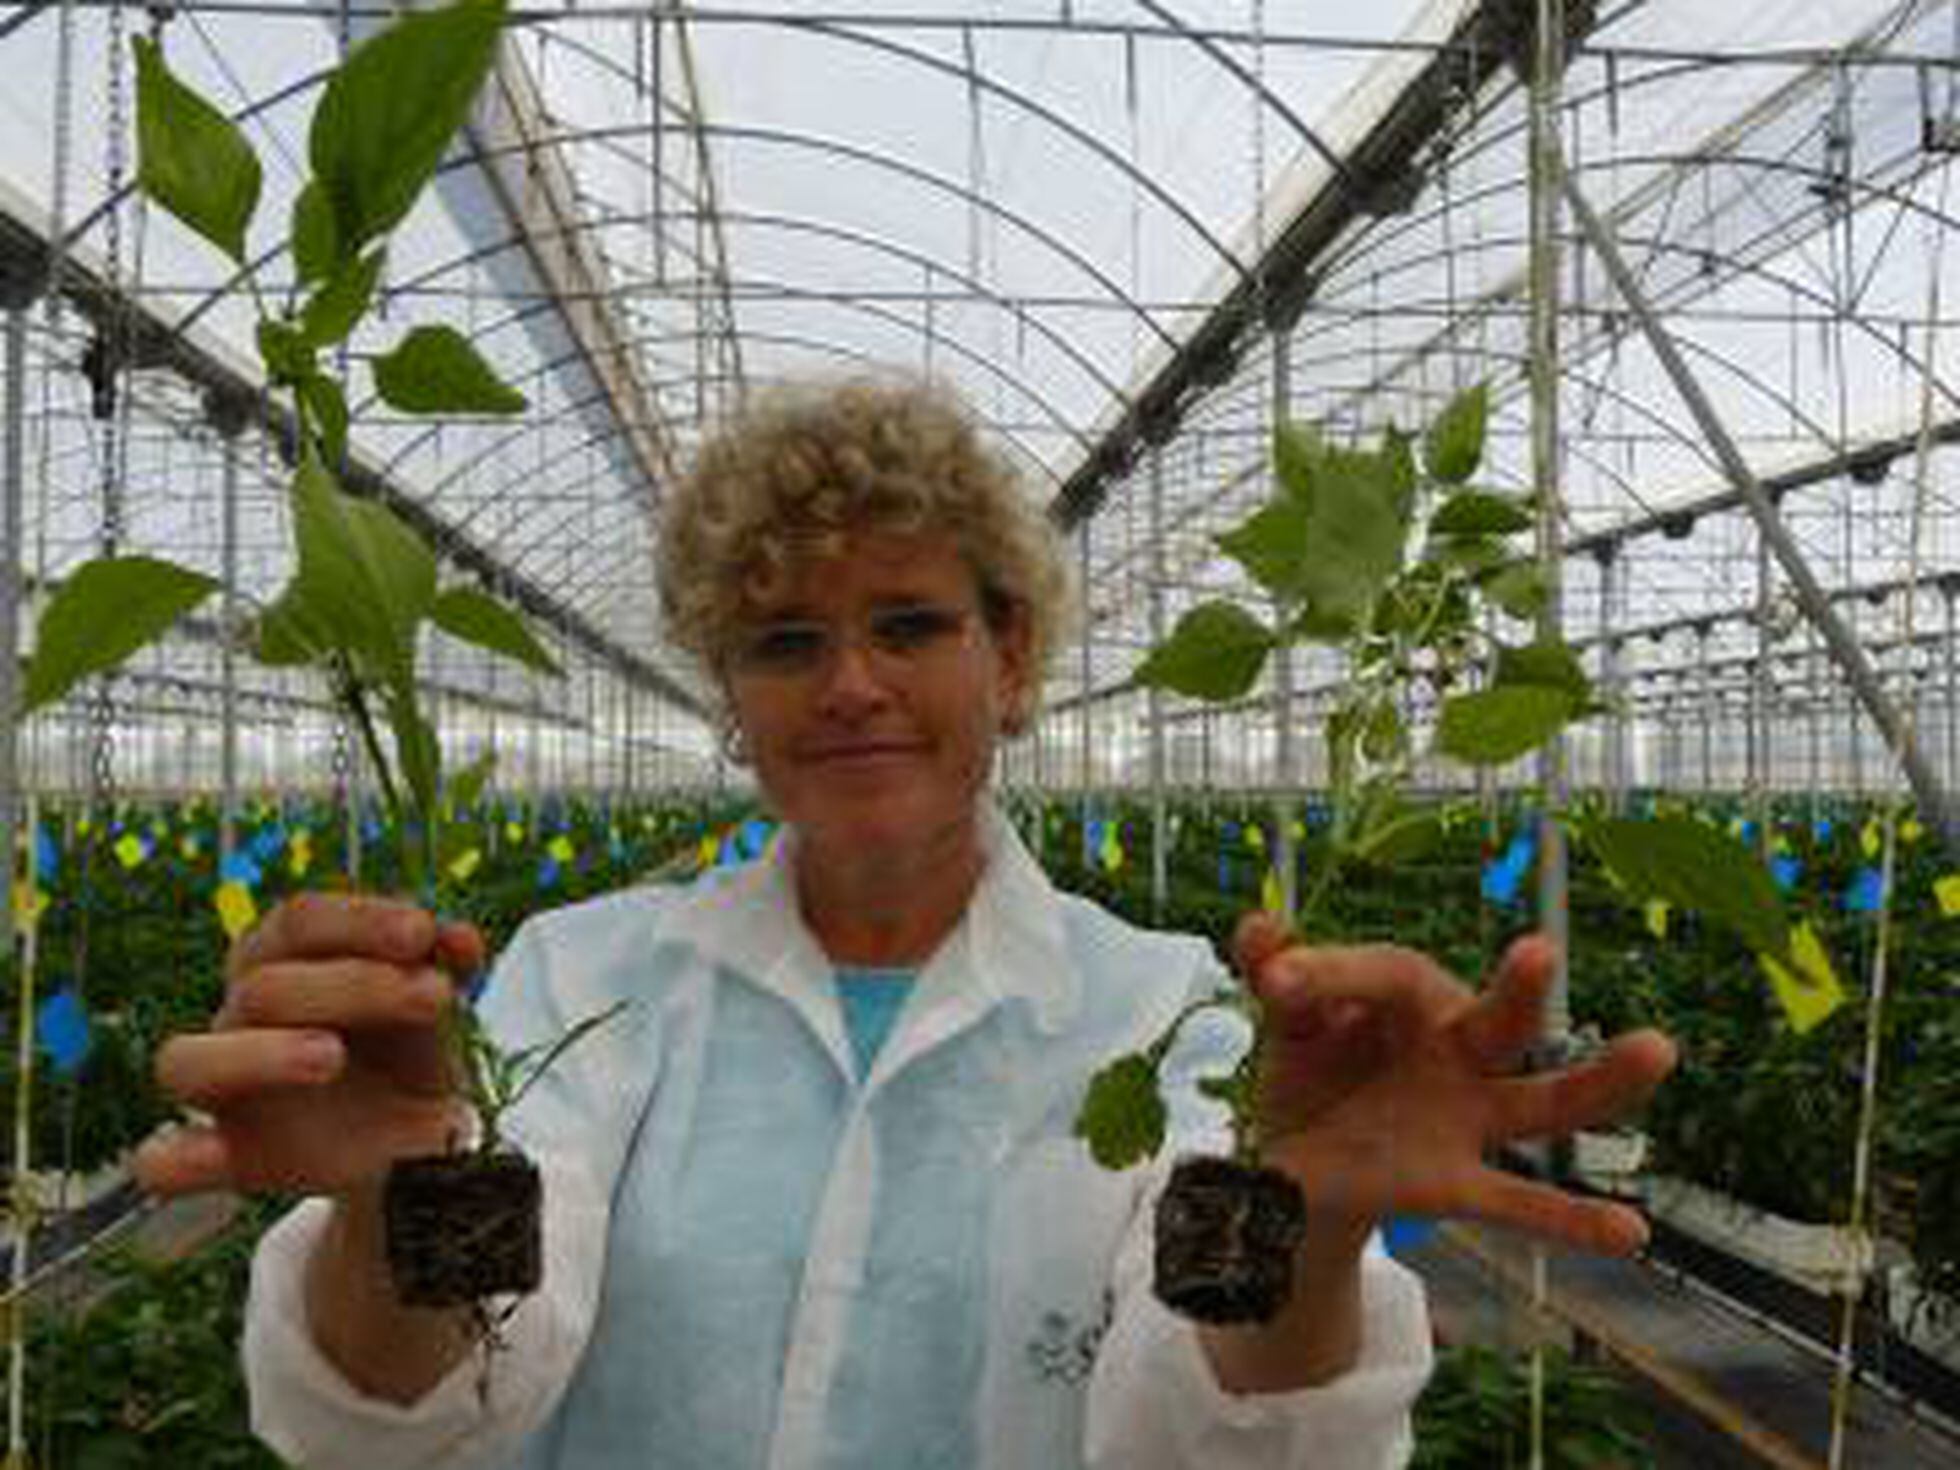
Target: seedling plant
<point>1391,556</point>
<point>461,1227</point>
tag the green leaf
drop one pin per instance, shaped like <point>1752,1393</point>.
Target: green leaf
<point>477,617</point>
<point>1271,545</point>
<point>1480,513</point>
<point>190,159</point>
<point>328,409</point>
<point>1399,458</point>
<point>367,578</point>
<point>338,305</point>
<point>316,248</point>
<point>1495,726</point>
<point>1296,456</point>
<point>290,632</point>
<point>435,370</point>
<point>1354,534</point>
<point>583,1029</point>
<point>1215,652</point>
<point>1695,867</point>
<point>1383,734</point>
<point>105,611</point>
<point>1123,1115</point>
<point>389,111</point>
<point>285,353</point>
<point>1518,588</point>
<point>1321,625</point>
<point>1550,664</point>
<point>1454,446</point>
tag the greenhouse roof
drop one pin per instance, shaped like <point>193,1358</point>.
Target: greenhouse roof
<point>1103,222</point>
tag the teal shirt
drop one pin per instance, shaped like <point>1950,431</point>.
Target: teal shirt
<point>872,997</point>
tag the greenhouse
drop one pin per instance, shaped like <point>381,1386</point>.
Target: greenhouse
<point>1432,473</point>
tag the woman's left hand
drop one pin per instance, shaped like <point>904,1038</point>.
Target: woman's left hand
<point>1386,1082</point>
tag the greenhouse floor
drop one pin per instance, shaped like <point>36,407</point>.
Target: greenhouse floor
<point>1725,1389</point>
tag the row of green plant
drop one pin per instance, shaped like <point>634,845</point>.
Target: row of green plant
<point>129,919</point>
<point>1757,1109</point>
<point>148,1376</point>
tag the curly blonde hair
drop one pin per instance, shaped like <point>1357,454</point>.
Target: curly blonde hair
<point>790,478</point>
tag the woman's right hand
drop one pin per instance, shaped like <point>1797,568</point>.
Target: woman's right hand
<point>325,1063</point>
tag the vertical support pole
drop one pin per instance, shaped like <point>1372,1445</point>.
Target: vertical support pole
<point>1084,756</point>
<point>1707,704</point>
<point>1949,592</point>
<point>19,297</point>
<point>228,417</point>
<point>1286,850</point>
<point>1759,697</point>
<point>1159,835</point>
<point>1608,557</point>
<point>1547,83</point>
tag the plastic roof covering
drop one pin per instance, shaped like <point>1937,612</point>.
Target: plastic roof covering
<point>1040,201</point>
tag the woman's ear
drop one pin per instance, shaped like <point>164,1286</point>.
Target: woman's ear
<point>1013,637</point>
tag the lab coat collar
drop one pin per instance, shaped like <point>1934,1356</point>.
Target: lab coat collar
<point>1010,944</point>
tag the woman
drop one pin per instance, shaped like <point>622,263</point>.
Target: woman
<point>817,1201</point>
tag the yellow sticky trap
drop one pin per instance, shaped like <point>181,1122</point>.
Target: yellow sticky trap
<point>187,847</point>
<point>1947,891</point>
<point>29,905</point>
<point>1255,837</point>
<point>709,850</point>
<point>1272,897</point>
<point>1657,911</point>
<point>299,854</point>
<point>1868,839</point>
<point>1112,850</point>
<point>465,864</point>
<point>561,848</point>
<point>236,911</point>
<point>129,850</point>
<point>84,827</point>
<point>1811,992</point>
<point>513,832</point>
<point>1299,831</point>
<point>1910,831</point>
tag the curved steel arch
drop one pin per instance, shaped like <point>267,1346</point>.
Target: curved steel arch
<point>787,222</point>
<point>1140,177</point>
<point>573,410</point>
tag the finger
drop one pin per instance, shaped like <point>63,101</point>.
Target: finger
<point>324,925</point>
<point>1257,938</point>
<point>460,948</point>
<point>213,1068</point>
<point>1303,984</point>
<point>341,993</point>
<point>1510,1015</point>
<point>1595,1092</point>
<point>1594,1225</point>
<point>180,1160</point>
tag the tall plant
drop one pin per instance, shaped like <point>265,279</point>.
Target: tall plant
<point>365,586</point>
<point>1394,558</point>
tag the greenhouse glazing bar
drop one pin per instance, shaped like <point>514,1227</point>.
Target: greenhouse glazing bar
<point>1810,594</point>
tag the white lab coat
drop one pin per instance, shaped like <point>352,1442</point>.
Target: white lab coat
<point>755,1260</point>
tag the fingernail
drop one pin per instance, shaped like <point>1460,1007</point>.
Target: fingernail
<point>320,1053</point>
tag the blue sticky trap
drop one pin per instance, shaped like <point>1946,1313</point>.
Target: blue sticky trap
<point>1866,892</point>
<point>1786,870</point>
<point>268,842</point>
<point>47,855</point>
<point>61,1027</point>
<point>1504,876</point>
<point>1224,873</point>
<point>1822,829</point>
<point>240,867</point>
<point>370,831</point>
<point>1748,833</point>
<point>754,837</point>
<point>548,873</point>
<point>1406,1233</point>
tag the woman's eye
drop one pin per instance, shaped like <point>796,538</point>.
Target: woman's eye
<point>784,645</point>
<point>911,628</point>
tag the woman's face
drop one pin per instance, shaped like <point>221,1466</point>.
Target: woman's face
<point>870,691</point>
